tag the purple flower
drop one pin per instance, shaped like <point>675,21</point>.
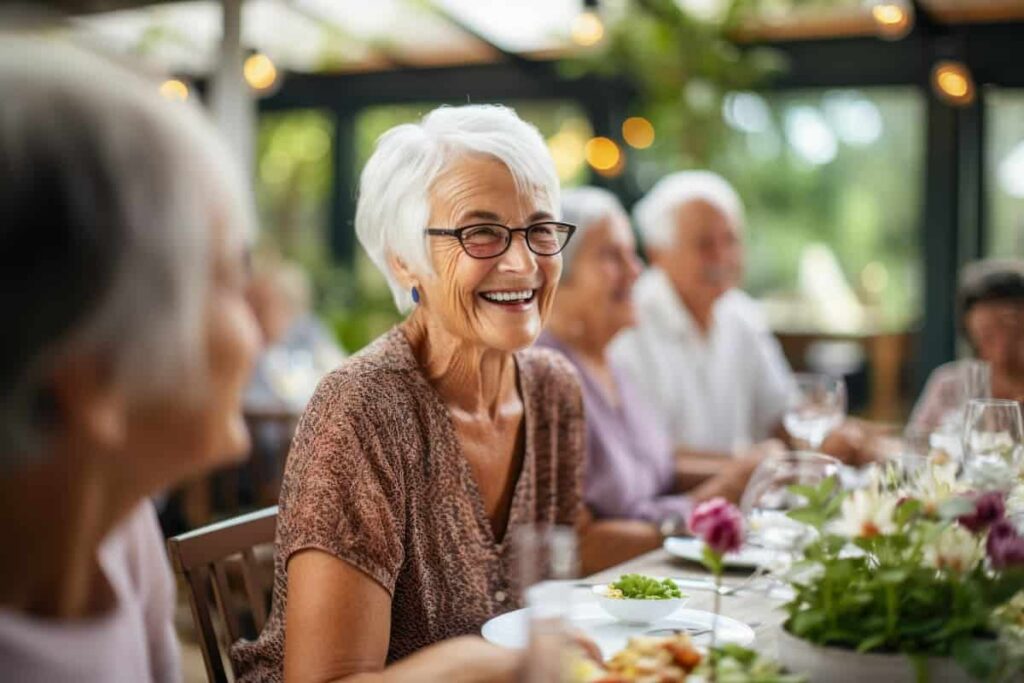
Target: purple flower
<point>719,524</point>
<point>988,509</point>
<point>1004,546</point>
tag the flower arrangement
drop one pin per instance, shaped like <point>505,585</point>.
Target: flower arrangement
<point>930,571</point>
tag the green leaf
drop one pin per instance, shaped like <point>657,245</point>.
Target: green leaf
<point>893,575</point>
<point>871,642</point>
<point>712,560</point>
<point>640,587</point>
<point>955,507</point>
<point>977,656</point>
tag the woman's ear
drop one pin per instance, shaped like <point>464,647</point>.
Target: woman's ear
<point>402,272</point>
<point>90,408</point>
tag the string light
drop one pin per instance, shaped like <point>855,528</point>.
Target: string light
<point>952,82</point>
<point>587,27</point>
<point>602,153</point>
<point>893,18</point>
<point>638,132</point>
<point>259,71</point>
<point>174,89</point>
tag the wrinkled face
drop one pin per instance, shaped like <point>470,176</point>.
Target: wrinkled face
<point>996,329</point>
<point>706,258</point>
<point>190,436</point>
<point>598,290</point>
<point>498,303</point>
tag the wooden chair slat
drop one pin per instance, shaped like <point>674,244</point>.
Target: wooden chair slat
<point>257,599</point>
<point>201,557</point>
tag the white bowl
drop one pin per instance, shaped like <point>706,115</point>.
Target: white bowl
<point>637,611</point>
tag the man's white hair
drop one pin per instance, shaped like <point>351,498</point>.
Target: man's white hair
<point>110,194</point>
<point>655,214</point>
<point>586,207</point>
<point>394,189</point>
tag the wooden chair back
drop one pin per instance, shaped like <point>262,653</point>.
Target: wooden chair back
<point>203,557</point>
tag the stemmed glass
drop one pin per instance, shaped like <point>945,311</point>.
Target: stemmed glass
<point>992,438</point>
<point>817,407</point>
<point>767,499</point>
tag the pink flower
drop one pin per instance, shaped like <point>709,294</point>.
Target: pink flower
<point>1004,546</point>
<point>719,524</point>
<point>988,509</point>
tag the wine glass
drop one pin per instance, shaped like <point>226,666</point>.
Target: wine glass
<point>817,407</point>
<point>992,438</point>
<point>768,498</point>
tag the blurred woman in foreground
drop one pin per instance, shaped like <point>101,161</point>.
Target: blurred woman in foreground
<point>127,344</point>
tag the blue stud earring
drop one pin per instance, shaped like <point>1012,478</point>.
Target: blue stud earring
<point>415,295</point>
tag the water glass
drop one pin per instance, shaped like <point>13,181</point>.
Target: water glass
<point>992,439</point>
<point>817,407</point>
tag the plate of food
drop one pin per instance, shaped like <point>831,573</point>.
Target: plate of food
<point>611,635</point>
<point>747,557</point>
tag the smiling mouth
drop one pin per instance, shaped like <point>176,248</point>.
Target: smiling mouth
<point>509,297</point>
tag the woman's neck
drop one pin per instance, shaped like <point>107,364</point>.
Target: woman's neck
<point>585,340</point>
<point>54,515</point>
<point>468,376</point>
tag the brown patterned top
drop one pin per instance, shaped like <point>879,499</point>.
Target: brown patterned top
<point>376,477</point>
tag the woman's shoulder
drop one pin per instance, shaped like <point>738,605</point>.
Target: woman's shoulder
<point>379,372</point>
<point>550,372</point>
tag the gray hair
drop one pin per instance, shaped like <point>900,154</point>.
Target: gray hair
<point>394,203</point>
<point>108,200</point>
<point>585,207</point>
<point>655,213</point>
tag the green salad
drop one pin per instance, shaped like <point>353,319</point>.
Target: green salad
<point>640,587</point>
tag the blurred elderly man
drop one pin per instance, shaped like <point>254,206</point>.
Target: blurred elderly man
<point>701,351</point>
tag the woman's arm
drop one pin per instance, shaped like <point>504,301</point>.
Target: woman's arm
<point>339,625</point>
<point>608,542</point>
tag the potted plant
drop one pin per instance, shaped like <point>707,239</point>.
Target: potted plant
<point>906,585</point>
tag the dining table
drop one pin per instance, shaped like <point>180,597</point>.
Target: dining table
<point>752,603</point>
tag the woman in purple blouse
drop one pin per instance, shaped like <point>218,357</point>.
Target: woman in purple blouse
<point>632,489</point>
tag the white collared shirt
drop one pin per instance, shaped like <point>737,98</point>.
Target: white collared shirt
<point>717,392</point>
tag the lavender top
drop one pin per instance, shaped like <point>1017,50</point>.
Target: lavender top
<point>630,466</point>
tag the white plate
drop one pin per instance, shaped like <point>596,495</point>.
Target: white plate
<point>748,557</point>
<point>511,629</point>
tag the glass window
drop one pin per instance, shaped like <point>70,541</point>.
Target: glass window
<point>1004,181</point>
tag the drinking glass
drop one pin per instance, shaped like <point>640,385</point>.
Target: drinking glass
<point>992,439</point>
<point>767,499</point>
<point>817,407</point>
<point>545,560</point>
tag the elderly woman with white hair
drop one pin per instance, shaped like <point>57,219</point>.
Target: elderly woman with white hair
<point>632,488</point>
<point>127,345</point>
<point>417,460</point>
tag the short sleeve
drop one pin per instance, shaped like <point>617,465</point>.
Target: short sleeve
<point>572,441</point>
<point>343,491</point>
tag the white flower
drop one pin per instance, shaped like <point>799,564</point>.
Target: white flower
<point>867,513</point>
<point>937,484</point>
<point>955,549</point>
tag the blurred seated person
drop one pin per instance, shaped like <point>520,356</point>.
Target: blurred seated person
<point>631,487</point>
<point>298,348</point>
<point>127,347</point>
<point>702,352</point>
<point>990,310</point>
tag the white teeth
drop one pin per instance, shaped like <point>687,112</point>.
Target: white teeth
<point>522,295</point>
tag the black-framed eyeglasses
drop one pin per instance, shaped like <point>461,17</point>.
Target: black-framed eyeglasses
<point>489,240</point>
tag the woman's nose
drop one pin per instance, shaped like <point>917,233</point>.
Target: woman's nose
<point>518,257</point>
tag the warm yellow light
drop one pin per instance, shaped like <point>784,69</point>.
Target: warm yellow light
<point>952,81</point>
<point>587,29</point>
<point>602,153</point>
<point>638,132</point>
<point>260,73</point>
<point>890,15</point>
<point>174,89</point>
<point>616,170</point>
<point>893,17</point>
<point>566,149</point>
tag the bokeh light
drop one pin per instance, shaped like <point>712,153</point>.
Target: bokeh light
<point>587,29</point>
<point>174,89</point>
<point>893,18</point>
<point>638,132</point>
<point>260,72</point>
<point>953,83</point>
<point>602,153</point>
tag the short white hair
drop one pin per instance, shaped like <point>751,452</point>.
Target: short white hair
<point>655,214</point>
<point>394,190</point>
<point>586,207</point>
<point>111,193</point>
